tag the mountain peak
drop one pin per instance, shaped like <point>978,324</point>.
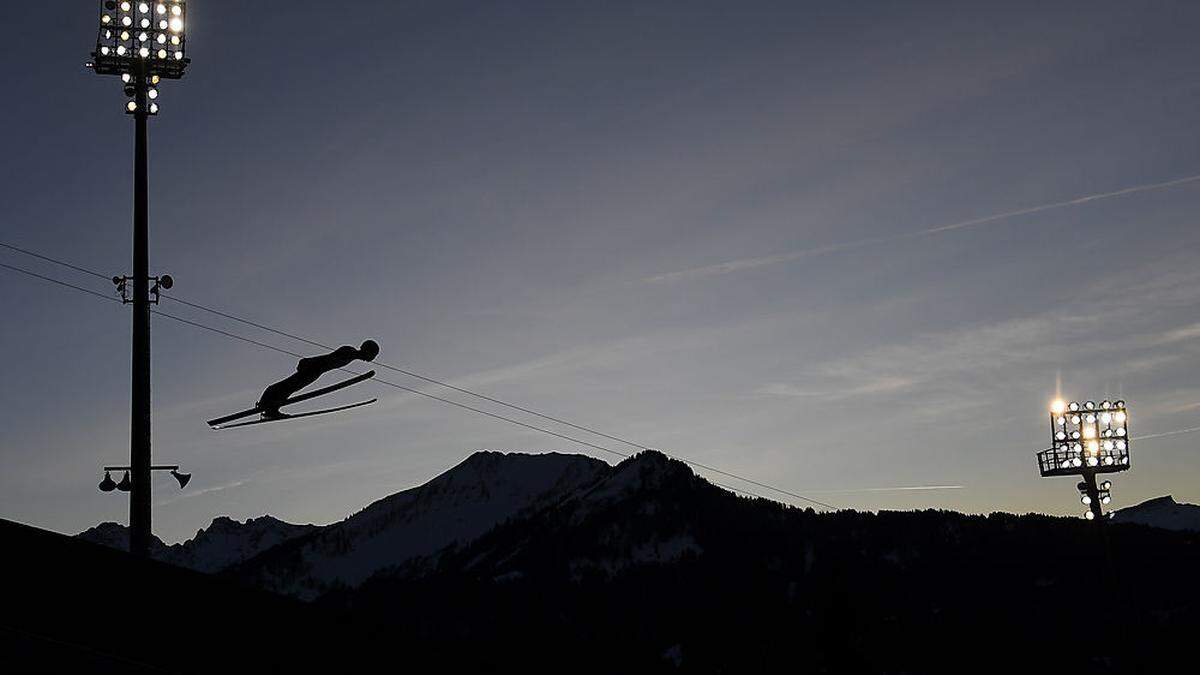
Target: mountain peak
<point>116,535</point>
<point>1162,512</point>
<point>223,543</point>
<point>652,468</point>
<point>482,491</point>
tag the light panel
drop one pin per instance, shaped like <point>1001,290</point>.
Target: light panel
<point>1089,434</point>
<point>146,36</point>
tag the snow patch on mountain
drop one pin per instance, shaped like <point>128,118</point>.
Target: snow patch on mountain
<point>1162,512</point>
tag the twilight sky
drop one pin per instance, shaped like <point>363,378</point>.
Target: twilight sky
<point>711,227</point>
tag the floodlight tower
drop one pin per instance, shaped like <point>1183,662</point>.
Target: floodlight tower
<point>142,42</point>
<point>1086,440</point>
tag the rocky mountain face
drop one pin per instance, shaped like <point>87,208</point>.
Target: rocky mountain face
<point>1163,512</point>
<point>223,543</point>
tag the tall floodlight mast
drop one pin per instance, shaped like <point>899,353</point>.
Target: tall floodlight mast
<point>142,43</point>
<point>1086,440</point>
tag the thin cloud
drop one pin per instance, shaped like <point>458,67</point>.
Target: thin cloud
<point>205,491</point>
<point>743,264</point>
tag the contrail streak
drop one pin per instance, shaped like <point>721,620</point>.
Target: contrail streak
<point>892,489</point>
<point>791,256</point>
<point>1167,433</point>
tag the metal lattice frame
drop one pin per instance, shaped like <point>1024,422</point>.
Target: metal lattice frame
<point>1087,437</point>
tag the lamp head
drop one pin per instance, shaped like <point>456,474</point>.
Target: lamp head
<point>107,485</point>
<point>125,485</point>
<point>183,478</point>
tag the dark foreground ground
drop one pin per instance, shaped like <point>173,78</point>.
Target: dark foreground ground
<point>778,591</point>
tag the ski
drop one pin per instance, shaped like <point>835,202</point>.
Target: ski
<point>220,422</point>
<point>296,416</point>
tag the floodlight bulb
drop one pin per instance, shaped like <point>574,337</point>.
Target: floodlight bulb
<point>1089,432</point>
<point>1073,406</point>
<point>143,52</point>
<point>175,39</point>
<point>1093,447</point>
<point>162,53</point>
<point>1090,405</point>
<point>177,24</point>
<point>143,8</point>
<point>1108,461</point>
<point>176,10</point>
<point>1062,436</point>
<point>145,23</point>
<point>1074,434</point>
<point>162,25</point>
<point>1120,404</point>
<point>1058,407</point>
<point>131,106</point>
<point>178,56</point>
<point>120,50</point>
<point>124,6</point>
<point>1089,515</point>
<point>106,19</point>
<point>153,108</point>
<point>1105,418</point>
<point>1065,463</point>
<point>1077,462</point>
<point>162,38</point>
<point>126,21</point>
<point>142,37</point>
<point>1108,445</point>
<point>153,93</point>
<point>1106,485</point>
<point>1086,500</point>
<point>1121,431</point>
<point>126,77</point>
<point>1074,419</point>
<point>1120,417</point>
<point>1092,461</point>
<point>154,79</point>
<point>104,51</point>
<point>124,35</point>
<point>1121,445</point>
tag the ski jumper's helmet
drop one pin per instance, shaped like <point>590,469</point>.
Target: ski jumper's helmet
<point>369,350</point>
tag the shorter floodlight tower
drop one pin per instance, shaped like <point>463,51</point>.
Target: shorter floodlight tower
<point>1086,440</point>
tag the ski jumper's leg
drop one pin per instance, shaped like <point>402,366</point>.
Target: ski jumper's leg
<point>278,393</point>
<point>309,370</point>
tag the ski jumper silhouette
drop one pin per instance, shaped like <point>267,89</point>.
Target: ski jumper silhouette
<point>309,370</point>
